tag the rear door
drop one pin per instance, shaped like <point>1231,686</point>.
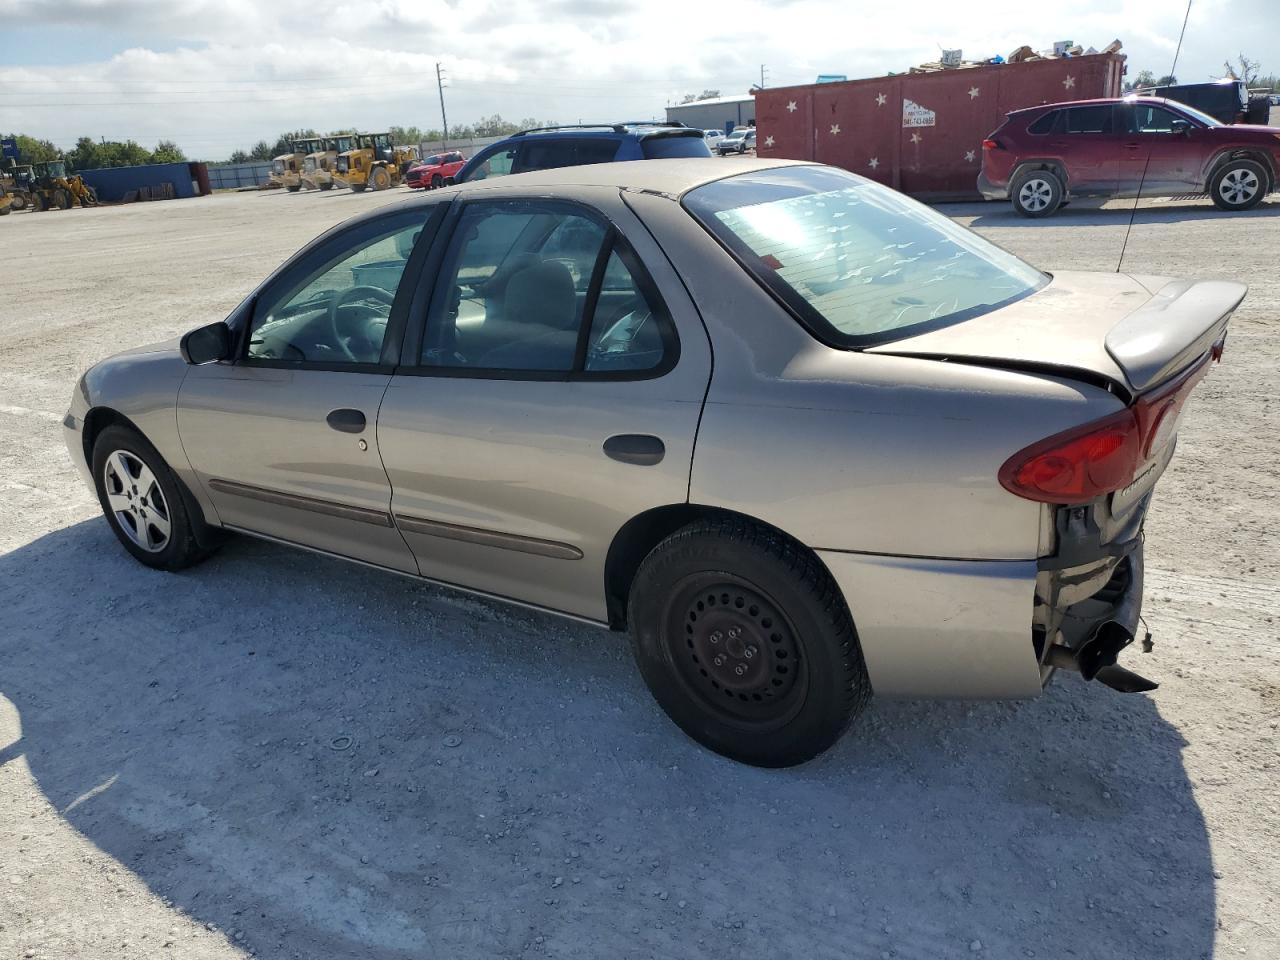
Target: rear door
<point>1086,140</point>
<point>552,395</point>
<point>283,439</point>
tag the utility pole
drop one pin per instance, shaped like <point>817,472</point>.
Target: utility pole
<point>762,76</point>
<point>443,119</point>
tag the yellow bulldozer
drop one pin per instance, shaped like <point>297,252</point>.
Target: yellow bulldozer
<point>319,165</point>
<point>50,188</point>
<point>287,169</point>
<point>374,163</point>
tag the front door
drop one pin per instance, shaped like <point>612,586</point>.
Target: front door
<point>284,439</point>
<point>555,396</point>
<point>1162,157</point>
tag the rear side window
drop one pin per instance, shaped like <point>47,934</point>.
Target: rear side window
<point>547,155</point>
<point>659,148</point>
<point>858,263</point>
<point>1089,119</point>
<point>1045,123</point>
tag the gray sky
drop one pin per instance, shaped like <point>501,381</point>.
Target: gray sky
<point>215,75</point>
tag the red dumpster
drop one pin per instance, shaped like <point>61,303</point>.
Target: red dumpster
<point>921,133</point>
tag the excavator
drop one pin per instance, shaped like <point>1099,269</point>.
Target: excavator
<point>318,167</point>
<point>374,163</point>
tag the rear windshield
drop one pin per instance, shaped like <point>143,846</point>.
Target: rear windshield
<point>664,147</point>
<point>857,262</point>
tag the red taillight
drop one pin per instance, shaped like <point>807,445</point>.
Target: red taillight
<point>1098,458</point>
<point>990,144</point>
<point>1078,465</point>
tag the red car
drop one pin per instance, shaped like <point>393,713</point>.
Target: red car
<point>1044,156</point>
<point>434,171</point>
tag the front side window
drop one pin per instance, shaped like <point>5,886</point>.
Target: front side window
<point>497,164</point>
<point>857,262</point>
<point>541,286</point>
<point>1145,118</point>
<point>337,313</point>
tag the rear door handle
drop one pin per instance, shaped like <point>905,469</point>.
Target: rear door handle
<point>641,449</point>
<point>346,420</point>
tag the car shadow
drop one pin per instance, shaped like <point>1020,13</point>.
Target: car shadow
<point>341,763</point>
<point>1093,213</point>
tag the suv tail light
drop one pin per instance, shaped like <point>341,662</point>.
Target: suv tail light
<point>1100,457</point>
<point>992,144</point>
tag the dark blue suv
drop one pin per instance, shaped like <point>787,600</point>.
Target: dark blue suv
<point>544,148</point>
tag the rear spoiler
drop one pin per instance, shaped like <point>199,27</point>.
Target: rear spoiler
<point>1181,322</point>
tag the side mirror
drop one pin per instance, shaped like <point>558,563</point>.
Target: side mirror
<point>1182,127</point>
<point>207,344</point>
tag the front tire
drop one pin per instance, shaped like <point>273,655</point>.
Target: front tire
<point>1239,185</point>
<point>437,181</point>
<point>744,640</point>
<point>1037,193</point>
<point>142,501</point>
<point>379,178</point>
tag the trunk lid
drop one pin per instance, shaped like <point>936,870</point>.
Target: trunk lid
<point>1134,332</point>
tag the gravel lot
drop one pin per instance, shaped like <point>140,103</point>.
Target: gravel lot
<point>280,756</point>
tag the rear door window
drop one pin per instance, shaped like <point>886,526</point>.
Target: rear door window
<point>546,155</point>
<point>1089,119</point>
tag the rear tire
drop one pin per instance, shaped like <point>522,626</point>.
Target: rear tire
<point>1036,193</point>
<point>62,199</point>
<point>358,187</point>
<point>326,185</point>
<point>143,501</point>
<point>1239,185</point>
<point>744,640</point>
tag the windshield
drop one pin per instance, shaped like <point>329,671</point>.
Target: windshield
<point>665,147</point>
<point>857,262</point>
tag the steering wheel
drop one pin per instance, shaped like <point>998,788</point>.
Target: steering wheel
<point>355,293</point>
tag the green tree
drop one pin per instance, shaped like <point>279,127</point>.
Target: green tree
<point>167,151</point>
<point>264,151</point>
<point>32,150</point>
<point>1168,80</point>
<point>704,95</point>
<point>239,156</point>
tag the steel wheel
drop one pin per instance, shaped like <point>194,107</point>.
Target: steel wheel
<point>735,650</point>
<point>1035,195</point>
<point>1239,186</point>
<point>137,501</point>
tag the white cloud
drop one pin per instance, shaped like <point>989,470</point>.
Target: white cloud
<point>215,76</point>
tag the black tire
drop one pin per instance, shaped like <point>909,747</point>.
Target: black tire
<point>379,178</point>
<point>39,202</point>
<point>90,199</point>
<point>20,200</point>
<point>792,677</point>
<point>62,199</point>
<point>295,188</point>
<point>1036,193</point>
<point>437,181</point>
<point>326,185</point>
<point>181,547</point>
<point>1239,185</point>
<point>358,187</point>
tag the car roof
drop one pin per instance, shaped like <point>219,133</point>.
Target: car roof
<point>1096,102</point>
<point>674,177</point>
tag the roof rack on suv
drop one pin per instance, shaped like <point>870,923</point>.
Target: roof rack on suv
<point>615,127</point>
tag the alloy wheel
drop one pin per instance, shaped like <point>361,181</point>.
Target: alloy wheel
<point>1239,186</point>
<point>135,497</point>
<point>1035,195</point>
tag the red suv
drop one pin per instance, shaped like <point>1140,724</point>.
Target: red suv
<point>1041,157</point>
<point>434,171</point>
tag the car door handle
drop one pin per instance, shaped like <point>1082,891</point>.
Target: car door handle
<point>346,420</point>
<point>641,449</point>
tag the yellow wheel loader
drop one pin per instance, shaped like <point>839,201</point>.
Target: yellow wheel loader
<point>318,167</point>
<point>6,203</point>
<point>16,182</point>
<point>51,188</point>
<point>287,169</point>
<point>374,164</point>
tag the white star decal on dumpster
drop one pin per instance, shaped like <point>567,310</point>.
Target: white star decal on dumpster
<point>768,141</point>
<point>873,162</point>
<point>791,107</point>
<point>969,155</point>
<point>880,99</point>
<point>835,129</point>
<point>915,138</point>
<point>973,93</point>
<point>1068,83</point>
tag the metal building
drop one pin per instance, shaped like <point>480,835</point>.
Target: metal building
<point>921,133</point>
<point>720,113</point>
